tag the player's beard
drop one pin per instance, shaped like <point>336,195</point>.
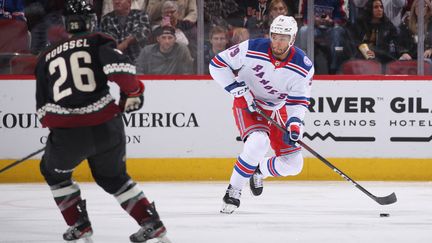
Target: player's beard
<point>277,51</point>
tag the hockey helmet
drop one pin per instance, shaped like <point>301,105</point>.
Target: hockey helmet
<point>79,16</point>
<point>284,25</point>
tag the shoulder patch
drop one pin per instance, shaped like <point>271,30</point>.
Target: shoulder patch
<point>307,61</point>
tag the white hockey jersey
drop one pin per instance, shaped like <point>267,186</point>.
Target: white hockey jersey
<point>273,83</point>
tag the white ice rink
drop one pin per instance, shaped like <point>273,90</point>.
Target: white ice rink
<point>286,212</point>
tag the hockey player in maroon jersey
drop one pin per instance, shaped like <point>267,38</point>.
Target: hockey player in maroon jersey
<point>74,102</point>
<point>275,76</point>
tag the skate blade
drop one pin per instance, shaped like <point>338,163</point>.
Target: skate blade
<point>255,193</point>
<point>82,240</point>
<point>88,240</point>
<point>228,208</point>
<point>163,239</point>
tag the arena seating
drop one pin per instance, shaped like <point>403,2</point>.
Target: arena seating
<point>359,67</point>
<point>406,68</point>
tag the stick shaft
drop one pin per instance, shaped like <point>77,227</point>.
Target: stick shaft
<point>381,200</point>
<point>21,160</point>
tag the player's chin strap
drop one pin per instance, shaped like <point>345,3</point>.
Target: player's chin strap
<point>291,44</point>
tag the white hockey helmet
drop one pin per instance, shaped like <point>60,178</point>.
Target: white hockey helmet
<point>284,25</point>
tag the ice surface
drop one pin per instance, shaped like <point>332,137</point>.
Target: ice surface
<point>291,211</point>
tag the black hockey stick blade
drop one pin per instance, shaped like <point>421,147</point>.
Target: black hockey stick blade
<point>21,160</point>
<point>390,199</point>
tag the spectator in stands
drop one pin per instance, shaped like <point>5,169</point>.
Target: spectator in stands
<point>46,24</point>
<point>187,10</point>
<point>277,7</point>
<point>330,34</point>
<point>12,9</point>
<point>14,30</point>
<point>218,37</point>
<point>216,12</point>
<point>259,29</point>
<point>293,7</point>
<point>374,35</point>
<point>239,35</point>
<point>107,6</point>
<point>166,56</point>
<point>185,30</point>
<point>257,12</point>
<point>129,27</point>
<point>392,8</point>
<point>409,33</point>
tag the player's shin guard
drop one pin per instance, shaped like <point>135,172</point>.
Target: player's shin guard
<point>134,202</point>
<point>255,148</point>
<point>241,173</point>
<point>67,195</point>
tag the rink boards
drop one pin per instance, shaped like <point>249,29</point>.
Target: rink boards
<point>372,128</point>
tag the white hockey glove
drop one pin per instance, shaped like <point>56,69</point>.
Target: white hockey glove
<point>241,90</point>
<point>294,127</point>
<point>132,101</point>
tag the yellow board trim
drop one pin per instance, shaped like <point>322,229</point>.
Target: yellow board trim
<point>219,169</point>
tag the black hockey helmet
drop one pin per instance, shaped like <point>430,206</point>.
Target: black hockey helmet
<point>79,16</point>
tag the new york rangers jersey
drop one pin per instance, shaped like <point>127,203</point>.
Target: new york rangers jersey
<point>273,83</point>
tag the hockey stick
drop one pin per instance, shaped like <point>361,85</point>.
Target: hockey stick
<point>381,200</point>
<point>22,160</point>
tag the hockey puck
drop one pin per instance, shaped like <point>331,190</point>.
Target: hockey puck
<point>384,215</point>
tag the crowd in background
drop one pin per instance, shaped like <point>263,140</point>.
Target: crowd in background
<point>161,36</point>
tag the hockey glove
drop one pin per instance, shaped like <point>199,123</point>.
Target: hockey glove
<point>294,133</point>
<point>132,101</point>
<point>241,91</point>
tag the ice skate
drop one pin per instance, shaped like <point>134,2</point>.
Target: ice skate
<point>82,228</point>
<point>151,228</point>
<point>256,182</point>
<point>231,200</point>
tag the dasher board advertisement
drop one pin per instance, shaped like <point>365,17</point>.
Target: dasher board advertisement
<point>193,119</point>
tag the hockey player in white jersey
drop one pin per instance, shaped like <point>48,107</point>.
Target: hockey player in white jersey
<point>275,76</point>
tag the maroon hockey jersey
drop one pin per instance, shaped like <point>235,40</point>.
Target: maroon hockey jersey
<point>71,81</point>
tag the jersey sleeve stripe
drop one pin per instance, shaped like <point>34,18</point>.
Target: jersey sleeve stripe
<point>119,68</point>
<point>297,100</point>
<point>265,102</point>
<point>258,55</point>
<point>218,62</point>
<point>298,67</point>
<point>298,71</point>
<point>290,103</point>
